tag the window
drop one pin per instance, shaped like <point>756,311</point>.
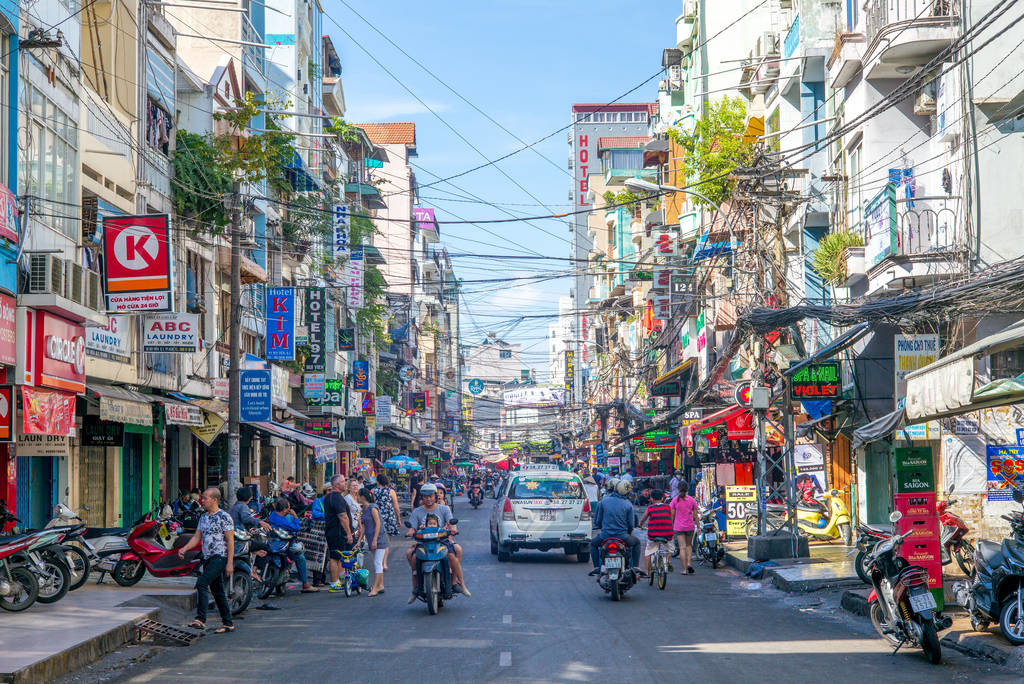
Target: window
<point>51,169</point>
<point>547,489</point>
<point>504,353</point>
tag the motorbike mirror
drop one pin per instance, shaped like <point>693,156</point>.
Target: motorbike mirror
<point>949,489</point>
<point>408,525</point>
<point>1018,495</point>
<point>454,521</point>
<point>895,516</point>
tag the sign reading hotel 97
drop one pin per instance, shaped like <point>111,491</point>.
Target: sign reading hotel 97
<point>137,256</point>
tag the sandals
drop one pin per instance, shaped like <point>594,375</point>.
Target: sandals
<point>197,624</point>
<point>225,629</point>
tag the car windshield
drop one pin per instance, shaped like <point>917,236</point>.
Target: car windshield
<point>544,488</point>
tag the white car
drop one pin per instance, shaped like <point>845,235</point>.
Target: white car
<point>543,508</point>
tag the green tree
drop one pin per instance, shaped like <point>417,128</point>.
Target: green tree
<point>716,147</point>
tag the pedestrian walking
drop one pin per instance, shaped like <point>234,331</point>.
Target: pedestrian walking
<point>372,530</point>
<point>351,499</point>
<point>337,528</point>
<point>389,508</point>
<point>684,522</point>
<point>216,533</point>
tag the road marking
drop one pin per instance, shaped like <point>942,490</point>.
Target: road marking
<point>508,593</point>
<point>506,619</point>
<point>505,660</point>
<point>508,574</point>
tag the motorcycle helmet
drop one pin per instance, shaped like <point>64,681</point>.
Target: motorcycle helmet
<point>624,487</point>
<point>428,488</point>
<point>308,491</point>
<point>611,483</point>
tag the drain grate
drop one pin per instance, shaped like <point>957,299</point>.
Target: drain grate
<point>159,630</point>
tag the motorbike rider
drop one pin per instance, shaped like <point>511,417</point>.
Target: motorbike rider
<point>242,514</point>
<point>417,519</point>
<point>442,490</point>
<point>285,519</point>
<point>616,518</point>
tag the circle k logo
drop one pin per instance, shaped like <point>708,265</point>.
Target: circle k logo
<point>68,351</point>
<point>136,248</point>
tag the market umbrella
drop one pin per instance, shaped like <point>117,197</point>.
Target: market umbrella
<point>464,464</point>
<point>402,461</point>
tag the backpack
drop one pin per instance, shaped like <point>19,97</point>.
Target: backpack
<point>318,508</point>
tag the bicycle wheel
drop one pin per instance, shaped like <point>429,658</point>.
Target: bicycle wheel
<point>662,579</point>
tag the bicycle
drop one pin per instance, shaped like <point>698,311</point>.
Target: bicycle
<point>351,561</point>
<point>661,564</point>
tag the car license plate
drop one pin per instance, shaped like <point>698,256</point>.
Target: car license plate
<point>922,602</point>
<point>613,563</point>
<point>710,537</point>
<point>547,515</point>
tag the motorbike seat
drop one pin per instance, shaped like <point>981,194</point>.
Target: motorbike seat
<point>774,508</point>
<point>990,553</point>
<point>94,532</point>
<point>11,538</point>
<point>1013,551</point>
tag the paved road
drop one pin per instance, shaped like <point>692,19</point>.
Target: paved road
<point>539,618</point>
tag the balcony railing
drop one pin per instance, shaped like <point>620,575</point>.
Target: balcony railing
<point>928,226</point>
<point>881,13</point>
<point>253,56</point>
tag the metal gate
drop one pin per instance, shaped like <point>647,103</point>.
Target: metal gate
<point>92,485</point>
<point>131,479</point>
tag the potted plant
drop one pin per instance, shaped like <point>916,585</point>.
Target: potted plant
<point>839,257</point>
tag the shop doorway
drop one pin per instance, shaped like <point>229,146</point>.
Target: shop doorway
<point>131,479</point>
<point>92,485</point>
<point>37,489</point>
<point>879,478</point>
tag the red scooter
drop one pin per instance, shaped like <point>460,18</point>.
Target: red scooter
<point>954,531</point>
<point>154,545</point>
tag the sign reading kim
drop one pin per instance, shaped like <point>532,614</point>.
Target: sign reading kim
<point>138,263</point>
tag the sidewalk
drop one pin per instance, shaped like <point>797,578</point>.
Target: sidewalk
<point>46,641</point>
<point>829,565</point>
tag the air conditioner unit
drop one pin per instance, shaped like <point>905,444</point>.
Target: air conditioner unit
<point>94,291</point>
<point>74,282</point>
<point>768,44</point>
<point>46,274</point>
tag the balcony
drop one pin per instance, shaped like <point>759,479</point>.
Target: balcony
<point>619,176</point>
<point>253,57</point>
<point>905,34</point>
<point>846,59</point>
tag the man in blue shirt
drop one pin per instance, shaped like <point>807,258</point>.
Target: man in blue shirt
<point>616,518</point>
<point>284,519</point>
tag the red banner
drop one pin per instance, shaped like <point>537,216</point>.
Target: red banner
<point>8,327</point>
<point>740,425</point>
<point>47,412</point>
<point>6,414</point>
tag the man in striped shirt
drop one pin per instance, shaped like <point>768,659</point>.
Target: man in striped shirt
<point>658,517</point>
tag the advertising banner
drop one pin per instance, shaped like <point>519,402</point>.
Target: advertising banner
<point>322,427</point>
<point>313,385</point>
<point>419,402</point>
<point>316,320</point>
<point>170,333</point>
<point>354,278</point>
<point>255,396</point>
<point>280,337</point>
<point>369,404</point>
<point>346,339</point>
<point>342,222</point>
<point>112,341</point>
<point>810,467</point>
<point>6,413</point>
<point>138,263</point>
<point>1005,466</point>
<point>57,352</point>
<point>333,394</point>
<point>737,497</point>
<point>383,410</point>
<point>47,412</point>
<point>8,215</point>
<point>910,353</point>
<point>182,414</point>
<point>361,376</point>
<point>8,329</point>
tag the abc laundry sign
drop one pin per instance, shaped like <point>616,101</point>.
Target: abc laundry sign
<point>170,333</point>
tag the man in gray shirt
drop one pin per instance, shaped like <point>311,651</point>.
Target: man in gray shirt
<point>417,519</point>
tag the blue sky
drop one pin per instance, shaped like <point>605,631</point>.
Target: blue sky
<point>523,62</point>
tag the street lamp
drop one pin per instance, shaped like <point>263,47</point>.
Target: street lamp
<point>647,186</point>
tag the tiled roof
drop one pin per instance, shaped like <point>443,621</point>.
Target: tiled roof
<point>390,132</point>
<point>624,142</point>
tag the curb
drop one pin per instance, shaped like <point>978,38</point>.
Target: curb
<point>967,642</point>
<point>807,585</point>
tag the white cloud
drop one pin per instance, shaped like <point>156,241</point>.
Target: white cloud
<point>380,108</point>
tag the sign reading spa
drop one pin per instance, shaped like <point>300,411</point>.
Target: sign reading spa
<point>54,355</point>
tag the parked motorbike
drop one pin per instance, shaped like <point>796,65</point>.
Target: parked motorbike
<point>901,606</point>
<point>867,538</point>
<point>995,592</point>
<point>476,496</point>
<point>277,568</point>
<point>433,573</point>
<point>617,577</point>
<point>821,520</point>
<point>43,555</point>
<point>153,546</point>
<point>240,584</point>
<point>708,543</point>
<point>19,587</point>
<point>953,541</point>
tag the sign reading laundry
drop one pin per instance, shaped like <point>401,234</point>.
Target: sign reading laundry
<point>280,338</point>
<point>124,411</point>
<point>42,445</point>
<point>112,341</point>
<point>176,333</point>
<point>138,263</point>
<point>316,321</point>
<point>47,412</point>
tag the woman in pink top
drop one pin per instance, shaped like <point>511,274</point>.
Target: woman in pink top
<point>684,522</point>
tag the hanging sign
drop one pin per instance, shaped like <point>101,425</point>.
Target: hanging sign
<point>342,221</point>
<point>361,376</point>
<point>476,385</point>
<point>211,427</point>
<point>333,394</point>
<point>663,307</point>
<point>313,385</point>
<point>255,389</point>
<point>47,412</point>
<point>8,215</point>
<point>6,413</point>
<point>138,263</point>
<point>737,498</point>
<point>170,333</point>
<point>57,351</point>
<point>8,330</point>
<point>817,381</point>
<point>355,430</point>
<point>354,278</point>
<point>124,411</point>
<point>101,434</point>
<point>322,427</point>
<point>383,410</point>
<point>662,279</point>
<point>280,337</point>
<point>280,391</point>
<point>369,407</point>
<point>346,339</point>
<point>112,341</point>
<point>1005,466</point>
<point>740,425</point>
<point>570,371</point>
<point>316,320</point>
<point>183,414</point>
<point>666,245</point>
<point>419,402</point>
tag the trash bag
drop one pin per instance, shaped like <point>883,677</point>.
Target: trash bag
<point>363,577</point>
<point>757,568</point>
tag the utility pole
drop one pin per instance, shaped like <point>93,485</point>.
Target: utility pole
<point>235,343</point>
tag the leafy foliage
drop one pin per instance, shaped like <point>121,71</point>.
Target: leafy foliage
<point>828,260</point>
<point>716,147</point>
<point>346,132</point>
<point>201,181</point>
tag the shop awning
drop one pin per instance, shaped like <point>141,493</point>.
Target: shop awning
<point>674,382</point>
<point>323,449</point>
<point>658,423</point>
<point>879,428</point>
<point>398,432</point>
<point>946,387</point>
<point>495,458</point>
<point>715,418</point>
<point>121,405</point>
